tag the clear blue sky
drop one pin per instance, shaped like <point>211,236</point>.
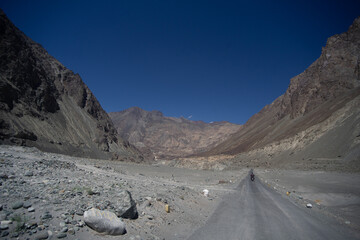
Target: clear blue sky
<point>212,60</point>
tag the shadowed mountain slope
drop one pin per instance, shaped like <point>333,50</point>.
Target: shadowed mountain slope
<point>323,98</point>
<point>169,137</point>
<point>44,104</point>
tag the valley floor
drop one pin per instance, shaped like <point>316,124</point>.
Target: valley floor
<point>60,188</point>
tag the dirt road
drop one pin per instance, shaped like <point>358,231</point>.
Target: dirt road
<point>256,211</point>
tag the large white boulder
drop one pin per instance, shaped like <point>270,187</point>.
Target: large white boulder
<point>104,222</point>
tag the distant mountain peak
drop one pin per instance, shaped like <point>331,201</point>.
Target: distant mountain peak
<point>169,137</point>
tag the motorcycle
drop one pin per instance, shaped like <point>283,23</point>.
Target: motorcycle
<point>252,177</point>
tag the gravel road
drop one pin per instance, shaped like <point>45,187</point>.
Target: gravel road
<point>256,211</point>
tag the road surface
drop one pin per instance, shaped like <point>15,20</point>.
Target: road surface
<point>256,211</point>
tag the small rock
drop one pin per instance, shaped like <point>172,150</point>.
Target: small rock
<point>27,204</point>
<point>15,235</point>
<point>17,205</point>
<point>6,222</point>
<point>42,235</point>
<point>79,212</point>
<point>3,176</point>
<point>1,207</point>
<point>81,223</point>
<point>71,231</point>
<point>309,205</point>
<point>104,222</point>
<point>29,174</point>
<point>4,233</point>
<point>64,229</point>
<point>46,216</point>
<point>31,209</point>
<point>61,235</point>
<point>4,227</point>
<point>347,222</point>
<point>62,224</point>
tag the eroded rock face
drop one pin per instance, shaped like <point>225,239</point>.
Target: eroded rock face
<point>325,87</point>
<point>104,222</point>
<point>44,104</point>
<point>169,137</point>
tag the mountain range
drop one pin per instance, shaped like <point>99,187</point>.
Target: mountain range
<point>169,137</point>
<point>316,122</point>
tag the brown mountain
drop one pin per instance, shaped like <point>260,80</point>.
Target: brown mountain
<point>44,104</point>
<point>318,116</point>
<point>169,137</point>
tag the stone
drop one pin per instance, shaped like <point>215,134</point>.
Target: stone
<point>104,222</point>
<point>42,235</point>
<point>61,235</point>
<point>309,205</point>
<point>81,223</point>
<point>125,206</point>
<point>3,176</point>
<point>1,207</point>
<point>64,229</point>
<point>4,233</point>
<point>46,215</point>
<point>71,231</point>
<point>15,235</point>
<point>17,205</point>
<point>29,174</point>
<point>27,204</point>
<point>31,209</point>
<point>4,227</point>
<point>6,222</point>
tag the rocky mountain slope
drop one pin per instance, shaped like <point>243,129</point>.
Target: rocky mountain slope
<point>318,116</point>
<point>46,105</point>
<point>169,137</point>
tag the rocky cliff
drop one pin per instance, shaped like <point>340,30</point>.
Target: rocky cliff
<point>320,106</point>
<point>169,137</point>
<point>46,105</point>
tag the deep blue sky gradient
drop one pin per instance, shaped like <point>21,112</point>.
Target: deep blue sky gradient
<point>212,60</point>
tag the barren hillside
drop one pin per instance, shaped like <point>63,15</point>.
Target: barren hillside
<point>320,107</point>
<point>44,104</point>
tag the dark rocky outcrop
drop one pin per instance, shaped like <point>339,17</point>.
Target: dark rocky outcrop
<point>46,105</point>
<point>169,137</point>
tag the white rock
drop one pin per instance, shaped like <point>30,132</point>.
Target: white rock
<point>205,192</point>
<point>309,205</point>
<point>104,222</point>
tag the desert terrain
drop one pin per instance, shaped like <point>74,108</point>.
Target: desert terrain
<point>55,190</point>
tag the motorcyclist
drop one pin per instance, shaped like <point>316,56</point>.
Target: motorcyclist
<point>252,175</point>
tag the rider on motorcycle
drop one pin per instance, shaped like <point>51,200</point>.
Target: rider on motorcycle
<point>252,176</point>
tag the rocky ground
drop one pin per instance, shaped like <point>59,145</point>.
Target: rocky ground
<point>45,195</point>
